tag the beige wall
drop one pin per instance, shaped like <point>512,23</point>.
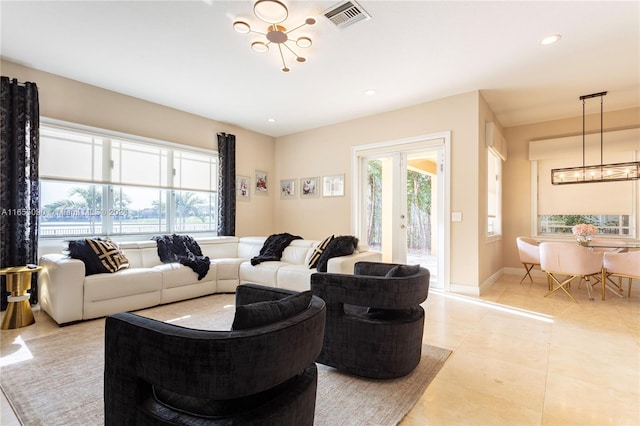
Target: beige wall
<point>327,150</point>
<point>517,170</point>
<point>72,101</point>
<point>489,250</point>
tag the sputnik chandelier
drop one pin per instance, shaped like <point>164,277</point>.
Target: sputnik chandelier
<point>274,12</point>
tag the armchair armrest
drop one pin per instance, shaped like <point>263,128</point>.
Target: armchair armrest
<point>377,269</point>
<point>61,287</point>
<point>252,293</point>
<point>372,291</point>
<point>346,264</point>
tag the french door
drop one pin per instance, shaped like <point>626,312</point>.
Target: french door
<point>400,202</point>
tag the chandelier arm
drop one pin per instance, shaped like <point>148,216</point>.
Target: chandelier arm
<point>290,50</point>
<point>257,32</point>
<point>583,130</point>
<point>284,65</point>
<point>299,26</point>
<point>601,130</point>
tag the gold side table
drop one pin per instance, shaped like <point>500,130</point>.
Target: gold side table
<point>18,310</point>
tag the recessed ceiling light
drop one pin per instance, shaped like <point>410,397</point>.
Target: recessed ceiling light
<point>370,92</point>
<point>271,120</point>
<point>550,39</point>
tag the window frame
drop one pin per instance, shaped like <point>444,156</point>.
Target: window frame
<point>498,168</point>
<point>108,184</point>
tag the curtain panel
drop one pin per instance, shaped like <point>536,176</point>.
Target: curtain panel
<point>19,186</point>
<point>226,184</point>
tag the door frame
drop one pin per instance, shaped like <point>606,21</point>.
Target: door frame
<point>438,140</point>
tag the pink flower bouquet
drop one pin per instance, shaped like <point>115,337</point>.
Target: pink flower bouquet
<point>584,229</point>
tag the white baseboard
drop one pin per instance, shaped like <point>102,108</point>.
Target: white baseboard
<point>466,290</point>
<point>536,272</point>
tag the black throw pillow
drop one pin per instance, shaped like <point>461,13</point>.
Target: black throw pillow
<point>99,256</point>
<point>343,245</point>
<point>403,271</point>
<point>263,313</point>
<point>317,252</point>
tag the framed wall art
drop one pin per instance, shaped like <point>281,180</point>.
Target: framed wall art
<point>309,187</point>
<point>243,185</point>
<point>288,188</point>
<point>333,186</point>
<point>262,183</point>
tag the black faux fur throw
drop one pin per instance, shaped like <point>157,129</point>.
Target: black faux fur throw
<point>185,250</point>
<point>273,247</point>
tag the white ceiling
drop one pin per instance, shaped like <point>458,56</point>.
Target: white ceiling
<point>186,55</point>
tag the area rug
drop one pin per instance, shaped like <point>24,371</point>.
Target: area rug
<point>57,379</point>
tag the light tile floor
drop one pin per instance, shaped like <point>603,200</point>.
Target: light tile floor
<point>522,359</point>
<point>518,358</point>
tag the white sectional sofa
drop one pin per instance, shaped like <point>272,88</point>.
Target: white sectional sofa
<point>67,295</point>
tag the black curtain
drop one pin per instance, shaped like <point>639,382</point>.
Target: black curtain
<point>19,192</point>
<point>227,184</point>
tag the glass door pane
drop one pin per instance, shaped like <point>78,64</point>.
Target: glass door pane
<point>422,225</point>
<point>400,205</point>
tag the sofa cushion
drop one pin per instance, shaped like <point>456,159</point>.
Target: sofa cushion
<point>99,256</point>
<point>295,277</point>
<point>125,283</point>
<point>317,252</point>
<point>343,245</point>
<point>297,252</point>
<point>263,313</point>
<point>403,271</point>
<point>265,273</point>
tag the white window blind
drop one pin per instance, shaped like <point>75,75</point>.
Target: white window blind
<point>610,198</point>
<point>602,198</point>
<point>57,146</point>
<point>138,164</point>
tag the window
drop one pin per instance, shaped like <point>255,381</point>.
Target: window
<point>611,206</point>
<point>92,183</point>
<point>494,194</point>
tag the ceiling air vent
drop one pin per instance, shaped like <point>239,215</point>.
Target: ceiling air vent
<point>346,13</point>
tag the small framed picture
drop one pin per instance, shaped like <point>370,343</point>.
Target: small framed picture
<point>333,186</point>
<point>262,183</point>
<point>243,185</point>
<point>288,188</point>
<point>309,187</point>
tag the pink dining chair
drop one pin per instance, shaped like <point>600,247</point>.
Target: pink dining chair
<point>529,251</point>
<point>572,261</point>
<point>621,265</point>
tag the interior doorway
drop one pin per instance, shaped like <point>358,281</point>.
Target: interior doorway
<point>400,202</point>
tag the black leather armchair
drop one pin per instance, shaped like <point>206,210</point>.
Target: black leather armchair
<point>374,319</point>
<point>159,374</point>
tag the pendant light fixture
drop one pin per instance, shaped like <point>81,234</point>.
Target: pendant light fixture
<point>273,13</point>
<point>599,172</point>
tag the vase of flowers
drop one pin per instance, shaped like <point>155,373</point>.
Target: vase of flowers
<point>584,232</point>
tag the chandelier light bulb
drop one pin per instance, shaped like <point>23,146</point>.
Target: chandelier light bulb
<point>241,27</point>
<point>270,11</point>
<point>259,47</point>
<point>303,42</point>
